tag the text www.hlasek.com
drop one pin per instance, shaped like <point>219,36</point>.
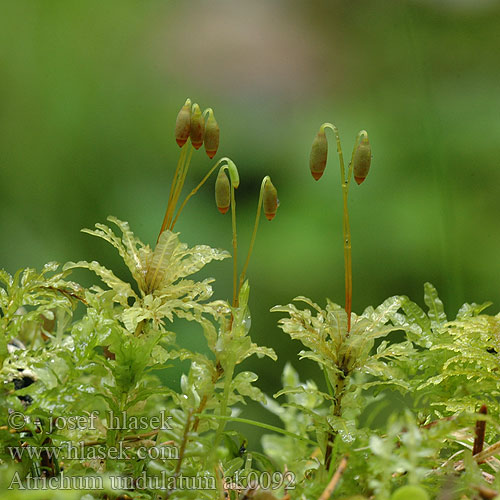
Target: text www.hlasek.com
<point>70,451</point>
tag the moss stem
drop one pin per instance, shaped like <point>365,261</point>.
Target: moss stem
<point>194,191</point>
<point>254,233</point>
<point>178,168</point>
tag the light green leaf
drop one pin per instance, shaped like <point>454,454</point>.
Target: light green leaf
<point>243,384</point>
<point>433,302</point>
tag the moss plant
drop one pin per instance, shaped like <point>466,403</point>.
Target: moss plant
<point>83,414</point>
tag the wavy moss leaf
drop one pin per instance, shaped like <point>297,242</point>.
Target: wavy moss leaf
<point>5,278</point>
<point>324,333</point>
<point>344,427</point>
<point>433,302</point>
<point>383,313</point>
<point>122,289</point>
<point>416,323</point>
<point>160,276</point>
<point>160,260</point>
<point>309,391</point>
<point>261,352</point>
<point>172,260</point>
<point>132,356</point>
<point>133,252</point>
<point>242,383</point>
<point>33,303</point>
<point>461,361</point>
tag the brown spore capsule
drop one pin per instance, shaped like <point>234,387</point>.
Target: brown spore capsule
<point>319,154</point>
<point>183,124</point>
<point>197,130</point>
<point>211,139</point>
<point>222,192</point>
<point>362,159</point>
<point>270,200</point>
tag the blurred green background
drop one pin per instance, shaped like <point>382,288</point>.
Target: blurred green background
<point>90,90</point>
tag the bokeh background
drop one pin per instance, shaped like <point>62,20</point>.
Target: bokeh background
<point>89,92</point>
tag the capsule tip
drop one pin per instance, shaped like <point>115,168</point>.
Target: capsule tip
<point>223,210</point>
<point>316,175</point>
<point>270,216</point>
<point>181,142</point>
<point>359,180</point>
<point>211,154</point>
